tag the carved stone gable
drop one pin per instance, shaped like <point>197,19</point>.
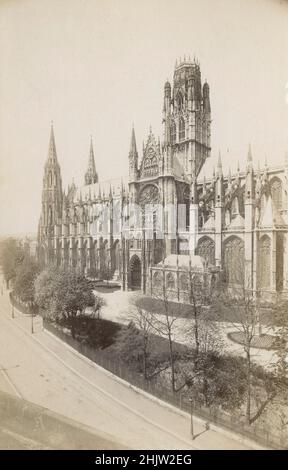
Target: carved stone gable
<point>151,154</point>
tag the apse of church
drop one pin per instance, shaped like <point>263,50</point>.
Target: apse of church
<point>167,217</point>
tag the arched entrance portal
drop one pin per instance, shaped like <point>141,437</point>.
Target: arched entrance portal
<point>135,273</point>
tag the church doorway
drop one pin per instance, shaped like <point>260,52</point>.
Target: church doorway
<point>135,273</point>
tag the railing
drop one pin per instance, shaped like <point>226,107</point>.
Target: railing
<point>106,360</point>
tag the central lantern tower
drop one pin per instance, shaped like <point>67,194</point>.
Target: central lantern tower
<point>167,172</point>
<point>186,120</point>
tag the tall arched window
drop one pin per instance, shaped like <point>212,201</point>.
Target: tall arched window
<point>179,101</point>
<point>173,133</point>
<point>50,216</point>
<point>206,249</point>
<point>276,193</point>
<point>265,261</point>
<point>279,261</point>
<point>234,260</point>
<point>181,129</point>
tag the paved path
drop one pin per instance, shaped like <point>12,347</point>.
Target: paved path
<point>45,371</point>
<point>119,303</point>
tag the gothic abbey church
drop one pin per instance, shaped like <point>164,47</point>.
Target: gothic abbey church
<point>242,218</point>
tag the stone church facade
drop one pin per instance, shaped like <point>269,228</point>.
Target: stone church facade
<point>236,224</point>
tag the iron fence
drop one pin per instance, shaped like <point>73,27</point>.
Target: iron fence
<point>105,359</point>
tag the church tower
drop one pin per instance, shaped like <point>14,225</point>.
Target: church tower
<point>91,176</point>
<point>187,119</point>
<point>52,191</point>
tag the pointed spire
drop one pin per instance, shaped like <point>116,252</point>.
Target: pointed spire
<point>229,178</point>
<point>249,167</point>
<point>219,165</point>
<point>52,155</point>
<point>249,156</point>
<point>133,158</point>
<point>91,176</point>
<point>133,147</point>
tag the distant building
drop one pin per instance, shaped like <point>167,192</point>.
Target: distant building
<point>237,223</point>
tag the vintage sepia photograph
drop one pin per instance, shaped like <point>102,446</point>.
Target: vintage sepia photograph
<point>143,227</point>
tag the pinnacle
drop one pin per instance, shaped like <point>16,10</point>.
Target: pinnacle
<point>133,147</point>
<point>249,157</point>
<point>91,174</point>
<point>219,164</point>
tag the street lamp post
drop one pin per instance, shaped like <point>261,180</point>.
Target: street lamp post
<point>191,418</point>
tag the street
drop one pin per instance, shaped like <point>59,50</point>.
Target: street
<point>43,370</point>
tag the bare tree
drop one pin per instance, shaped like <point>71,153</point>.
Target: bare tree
<point>164,325</point>
<point>242,304</point>
<point>203,330</point>
<point>143,320</point>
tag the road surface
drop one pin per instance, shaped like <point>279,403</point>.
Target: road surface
<point>43,370</point>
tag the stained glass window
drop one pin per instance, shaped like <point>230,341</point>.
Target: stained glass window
<point>234,260</point>
<point>264,261</point>
<point>181,129</point>
<point>206,249</point>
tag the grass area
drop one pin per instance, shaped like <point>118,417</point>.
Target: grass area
<point>157,306</point>
<point>264,341</point>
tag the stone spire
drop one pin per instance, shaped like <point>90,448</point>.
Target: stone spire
<point>52,195</point>
<point>133,158</point>
<point>133,147</point>
<point>91,176</point>
<point>52,154</point>
<point>219,165</point>
<point>249,159</point>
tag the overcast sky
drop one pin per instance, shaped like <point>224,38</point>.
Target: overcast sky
<point>96,66</point>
